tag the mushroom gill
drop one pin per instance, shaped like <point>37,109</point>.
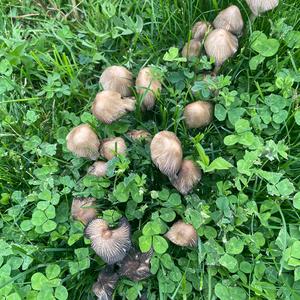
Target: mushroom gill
<point>112,147</point>
<point>83,209</point>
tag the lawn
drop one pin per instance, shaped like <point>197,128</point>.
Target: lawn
<point>246,207</point>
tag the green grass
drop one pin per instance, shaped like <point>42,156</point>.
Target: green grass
<point>248,226</point>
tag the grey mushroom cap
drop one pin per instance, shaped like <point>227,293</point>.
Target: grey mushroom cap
<point>200,29</point>
<point>191,48</point>
<point>260,6</point>
<point>83,209</point>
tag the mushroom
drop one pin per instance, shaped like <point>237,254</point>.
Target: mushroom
<point>83,210</point>
<point>139,135</point>
<point>98,168</point>
<point>189,175</point>
<point>117,79</point>
<point>106,282</point>
<point>182,234</point>
<point>83,142</point>
<point>108,106</point>
<point>191,48</point>
<point>148,86</point>
<point>230,19</point>
<point>198,114</point>
<point>221,45</point>
<point>112,147</point>
<point>111,245</point>
<point>200,29</point>
<point>260,6</point>
<point>166,153</point>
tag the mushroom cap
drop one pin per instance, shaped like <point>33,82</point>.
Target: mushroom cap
<point>191,48</point>
<point>199,30</point>
<point>221,45</point>
<point>117,79</point>
<point>111,245</point>
<point>182,234</point>
<point>230,19</point>
<point>198,114</point>
<point>166,152</point>
<point>148,86</point>
<point>108,106</point>
<point>260,6</point>
<point>98,168</point>
<point>112,147</point>
<point>189,175</point>
<point>82,209</point>
<point>139,134</point>
<point>83,142</point>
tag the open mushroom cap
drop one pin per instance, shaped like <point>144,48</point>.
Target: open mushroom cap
<point>166,153</point>
<point>148,86</point>
<point>182,234</point>
<point>98,168</point>
<point>200,29</point>
<point>260,6</point>
<point>83,142</point>
<point>108,106</point>
<point>198,114</point>
<point>111,245</point>
<point>82,209</point>
<point>191,48</point>
<point>189,175</point>
<point>139,134</point>
<point>117,79</point>
<point>112,147</point>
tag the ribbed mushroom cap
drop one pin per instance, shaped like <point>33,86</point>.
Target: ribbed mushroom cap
<point>191,48</point>
<point>166,153</point>
<point>117,79</point>
<point>111,245</point>
<point>83,142</point>
<point>148,86</point>
<point>198,114</point>
<point>98,168</point>
<point>108,106</point>
<point>112,147</point>
<point>260,6</point>
<point>182,234</point>
<point>82,209</point>
<point>200,29</point>
<point>221,45</point>
<point>139,135</point>
<point>189,175</point>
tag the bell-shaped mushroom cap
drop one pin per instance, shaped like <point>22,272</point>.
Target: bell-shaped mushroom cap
<point>198,114</point>
<point>139,134</point>
<point>104,287</point>
<point>112,147</point>
<point>108,106</point>
<point>191,48</point>
<point>111,245</point>
<point>117,79</point>
<point>82,209</point>
<point>83,142</point>
<point>230,19</point>
<point>260,6</point>
<point>148,87</point>
<point>221,45</point>
<point>182,234</point>
<point>166,153</point>
<point>189,175</point>
<point>98,168</point>
<point>200,29</point>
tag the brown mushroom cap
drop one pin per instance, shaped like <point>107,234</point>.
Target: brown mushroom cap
<point>98,168</point>
<point>166,153</point>
<point>200,29</point>
<point>82,209</point>
<point>108,106</point>
<point>117,79</point>
<point>111,245</point>
<point>112,147</point>
<point>260,6</point>
<point>191,48</point>
<point>198,114</point>
<point>83,142</point>
<point>182,234</point>
<point>139,134</point>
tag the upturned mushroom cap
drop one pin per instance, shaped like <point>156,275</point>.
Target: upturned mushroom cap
<point>200,29</point>
<point>189,175</point>
<point>148,86</point>
<point>221,45</point>
<point>191,48</point>
<point>108,106</point>
<point>198,114</point>
<point>139,135</point>
<point>182,234</point>
<point>112,147</point>
<point>111,245</point>
<point>260,6</point>
<point>166,153</point>
<point>117,79</point>
<point>82,209</point>
<point>98,168</point>
<point>83,142</point>
<point>230,19</point>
